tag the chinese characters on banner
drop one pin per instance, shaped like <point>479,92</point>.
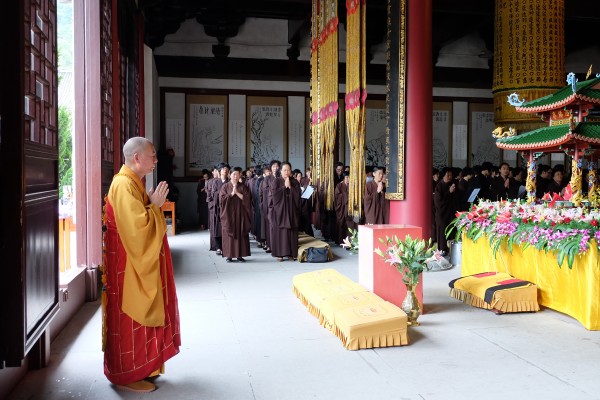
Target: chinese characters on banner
<point>237,136</point>
<point>441,131</point>
<point>483,144</point>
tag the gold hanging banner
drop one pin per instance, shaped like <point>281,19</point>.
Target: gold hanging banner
<point>315,133</point>
<point>356,95</point>
<point>529,53</point>
<point>324,100</point>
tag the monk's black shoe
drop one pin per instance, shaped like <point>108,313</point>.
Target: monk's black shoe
<point>228,259</point>
<point>240,259</point>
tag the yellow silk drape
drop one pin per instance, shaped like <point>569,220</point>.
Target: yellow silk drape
<point>356,86</point>
<point>574,292</point>
<point>324,93</point>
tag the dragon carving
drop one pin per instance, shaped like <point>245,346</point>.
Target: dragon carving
<point>498,133</point>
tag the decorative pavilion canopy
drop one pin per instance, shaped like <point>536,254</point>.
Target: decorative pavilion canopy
<point>586,92</point>
<point>554,136</point>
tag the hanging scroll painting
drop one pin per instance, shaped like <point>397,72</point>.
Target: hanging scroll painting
<point>206,132</point>
<point>266,129</point>
<point>483,145</point>
<point>442,131</point>
<point>375,151</point>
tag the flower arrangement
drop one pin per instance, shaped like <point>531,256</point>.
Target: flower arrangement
<point>409,256</point>
<point>351,241</point>
<point>567,231</point>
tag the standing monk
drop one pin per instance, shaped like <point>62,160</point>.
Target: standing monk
<point>202,204</point>
<point>265,202</point>
<point>209,199</point>
<point>214,207</point>
<point>444,201</point>
<point>377,208</point>
<point>285,214</point>
<point>141,316</point>
<point>258,228</point>
<point>236,208</point>
<point>344,221</point>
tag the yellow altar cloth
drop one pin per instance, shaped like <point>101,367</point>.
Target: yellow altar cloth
<point>575,292</point>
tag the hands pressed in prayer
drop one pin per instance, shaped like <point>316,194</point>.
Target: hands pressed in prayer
<point>287,183</point>
<point>452,188</point>
<point>159,195</point>
<point>380,187</point>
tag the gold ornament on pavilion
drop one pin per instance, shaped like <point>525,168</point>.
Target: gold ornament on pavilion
<point>530,182</point>
<point>499,133</point>
<point>593,195</point>
<point>576,184</point>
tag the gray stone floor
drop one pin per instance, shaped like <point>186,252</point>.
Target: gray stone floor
<point>245,336</point>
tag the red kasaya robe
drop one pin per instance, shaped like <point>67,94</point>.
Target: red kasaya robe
<point>141,325</point>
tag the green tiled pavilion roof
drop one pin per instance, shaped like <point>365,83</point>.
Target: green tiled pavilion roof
<point>587,91</point>
<point>552,136</point>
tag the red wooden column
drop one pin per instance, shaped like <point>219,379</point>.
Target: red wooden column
<point>416,208</point>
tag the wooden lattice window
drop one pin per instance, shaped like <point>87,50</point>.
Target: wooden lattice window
<point>106,80</point>
<point>41,76</point>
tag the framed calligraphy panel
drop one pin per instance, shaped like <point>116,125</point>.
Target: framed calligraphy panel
<point>266,129</point>
<point>375,125</point>
<point>442,132</point>
<point>206,132</point>
<point>482,144</point>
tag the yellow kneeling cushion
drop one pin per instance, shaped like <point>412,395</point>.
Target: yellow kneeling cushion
<point>358,317</point>
<point>495,290</point>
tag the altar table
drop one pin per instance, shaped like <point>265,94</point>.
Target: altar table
<point>575,292</point>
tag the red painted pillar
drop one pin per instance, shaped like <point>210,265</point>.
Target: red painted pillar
<point>415,209</point>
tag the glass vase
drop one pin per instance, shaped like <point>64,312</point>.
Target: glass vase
<point>411,306</point>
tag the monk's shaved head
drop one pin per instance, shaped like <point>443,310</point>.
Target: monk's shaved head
<point>134,145</point>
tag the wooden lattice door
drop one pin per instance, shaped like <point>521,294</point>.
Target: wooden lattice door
<point>29,178</point>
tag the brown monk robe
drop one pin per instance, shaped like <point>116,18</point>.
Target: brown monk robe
<point>285,214</point>
<point>265,203</point>
<point>344,221</point>
<point>209,200</point>
<point>214,207</point>
<point>257,225</point>
<point>202,206</point>
<point>250,182</point>
<point>306,209</point>
<point>236,209</point>
<point>377,208</point>
<point>444,201</point>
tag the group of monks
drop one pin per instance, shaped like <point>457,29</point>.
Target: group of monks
<point>452,189</point>
<point>267,203</point>
<point>269,207</point>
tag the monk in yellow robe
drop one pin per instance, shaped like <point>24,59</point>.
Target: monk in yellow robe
<point>141,316</point>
